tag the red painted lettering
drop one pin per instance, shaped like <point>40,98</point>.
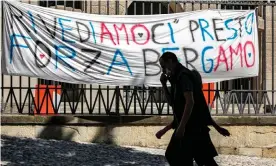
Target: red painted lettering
<point>123,27</point>
<point>220,60</point>
<point>105,31</point>
<point>247,46</point>
<point>236,51</point>
<point>133,34</point>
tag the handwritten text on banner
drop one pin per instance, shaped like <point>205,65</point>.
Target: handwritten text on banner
<point>124,50</point>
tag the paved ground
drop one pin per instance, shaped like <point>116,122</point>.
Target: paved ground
<point>29,152</point>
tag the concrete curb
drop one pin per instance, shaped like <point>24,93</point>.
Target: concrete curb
<point>128,120</point>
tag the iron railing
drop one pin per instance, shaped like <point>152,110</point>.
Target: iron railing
<point>247,96</point>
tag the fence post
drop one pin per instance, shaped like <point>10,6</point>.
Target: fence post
<point>117,106</point>
<point>2,52</point>
<point>117,100</point>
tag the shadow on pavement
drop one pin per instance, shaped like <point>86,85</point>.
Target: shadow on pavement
<point>26,151</point>
<point>104,135</point>
<point>53,131</point>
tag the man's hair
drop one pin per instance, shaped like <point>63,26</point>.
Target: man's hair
<point>169,55</point>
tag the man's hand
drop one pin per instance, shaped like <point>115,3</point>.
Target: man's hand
<point>223,132</point>
<point>179,132</point>
<point>163,79</point>
<point>160,133</point>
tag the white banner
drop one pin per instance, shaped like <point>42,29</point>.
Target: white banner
<point>124,50</point>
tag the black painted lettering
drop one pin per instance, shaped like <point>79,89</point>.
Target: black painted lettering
<point>153,63</point>
<point>87,32</point>
<point>240,24</point>
<point>93,61</point>
<point>188,59</point>
<point>18,17</point>
<point>153,33</point>
<point>216,29</point>
<point>53,32</point>
<point>193,29</point>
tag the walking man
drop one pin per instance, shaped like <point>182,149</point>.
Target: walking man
<point>191,139</point>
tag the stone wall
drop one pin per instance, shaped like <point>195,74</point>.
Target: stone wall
<point>250,136</point>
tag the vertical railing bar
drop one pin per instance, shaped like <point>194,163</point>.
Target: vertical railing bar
<point>47,96</point>
<point>90,6</point>
<point>135,6</point>
<point>135,95</point>
<point>264,54</point>
<point>217,98</point>
<point>135,88</point>
<point>151,98</point>
<point>272,43</point>
<point>125,89</point>
<point>2,53</point>
<point>143,88</point>
<point>56,4</point>
<point>56,105</point>
<point>107,95</point>
<point>20,94</point>
<point>209,95</point>
<point>217,85</point>
<point>257,102</point>
<point>73,5</point>
<point>107,7</point>
<point>64,4</point>
<point>11,90</point>
<point>248,95</point>
<point>99,103</point>
<point>151,89</point>
<point>242,111</point>
<point>90,102</point>
<point>143,7</point>
<point>233,105</point>
<point>82,93</point>
<point>143,99</point>
<point>85,6</point>
<point>2,86</point>
<point>117,87</point>
<point>160,9</point>
<point>151,8</point>
<point>255,94</point>
<point>126,7</point>
<point>168,5</point>
<point>29,95</point>
<point>38,96</point>
<point>99,7</point>
<point>74,109</point>
<point>65,92</point>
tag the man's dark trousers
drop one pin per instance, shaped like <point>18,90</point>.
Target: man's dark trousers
<point>180,152</point>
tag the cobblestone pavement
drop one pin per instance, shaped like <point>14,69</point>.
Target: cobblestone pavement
<point>25,151</point>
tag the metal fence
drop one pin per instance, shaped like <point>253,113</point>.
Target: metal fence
<point>247,96</point>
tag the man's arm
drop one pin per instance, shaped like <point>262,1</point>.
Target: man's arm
<point>188,109</point>
<point>187,89</point>
<point>221,130</point>
<point>167,93</point>
<point>163,80</point>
